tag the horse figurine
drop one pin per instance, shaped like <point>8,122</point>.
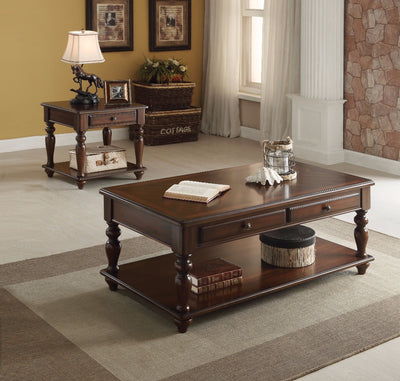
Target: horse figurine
<point>84,96</point>
<point>81,75</point>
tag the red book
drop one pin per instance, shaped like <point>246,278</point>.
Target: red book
<point>217,285</point>
<point>213,271</point>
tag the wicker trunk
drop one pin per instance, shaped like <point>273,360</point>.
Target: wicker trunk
<point>162,97</point>
<point>101,158</point>
<point>165,127</point>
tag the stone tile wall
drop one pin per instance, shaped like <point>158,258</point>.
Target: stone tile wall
<point>372,77</point>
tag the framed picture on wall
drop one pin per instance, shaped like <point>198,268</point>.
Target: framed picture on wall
<point>170,25</point>
<point>113,20</point>
<point>117,92</point>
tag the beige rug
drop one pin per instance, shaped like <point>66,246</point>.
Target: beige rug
<point>59,321</point>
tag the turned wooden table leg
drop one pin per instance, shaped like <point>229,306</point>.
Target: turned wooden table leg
<point>183,283</point>
<point>50,141</point>
<point>113,249</point>
<point>139,146</point>
<point>80,158</point>
<point>107,136</point>
<point>361,238</point>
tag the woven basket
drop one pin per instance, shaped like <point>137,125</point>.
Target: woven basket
<point>166,127</point>
<point>164,96</point>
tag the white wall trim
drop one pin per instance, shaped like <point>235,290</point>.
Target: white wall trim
<point>250,133</point>
<point>35,142</point>
<point>68,139</point>
<point>373,162</point>
<point>250,97</point>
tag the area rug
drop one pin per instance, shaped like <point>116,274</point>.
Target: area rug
<point>59,321</point>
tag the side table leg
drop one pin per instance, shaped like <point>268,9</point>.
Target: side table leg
<point>113,249</point>
<point>80,158</point>
<point>50,141</point>
<point>107,136</point>
<point>183,283</point>
<point>139,145</point>
<point>361,238</point>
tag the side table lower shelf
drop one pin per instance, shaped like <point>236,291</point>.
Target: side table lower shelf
<point>64,169</point>
<point>153,278</point>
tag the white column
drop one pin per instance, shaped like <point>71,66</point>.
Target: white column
<point>317,112</point>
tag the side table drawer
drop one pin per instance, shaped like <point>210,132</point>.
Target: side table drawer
<point>112,119</point>
<point>245,226</point>
<point>324,208</point>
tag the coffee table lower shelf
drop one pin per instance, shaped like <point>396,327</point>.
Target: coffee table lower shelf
<point>153,278</point>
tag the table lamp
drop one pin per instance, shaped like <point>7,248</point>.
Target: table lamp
<point>83,47</point>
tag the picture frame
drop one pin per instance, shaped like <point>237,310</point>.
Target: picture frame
<point>113,20</point>
<point>117,92</point>
<point>169,25</point>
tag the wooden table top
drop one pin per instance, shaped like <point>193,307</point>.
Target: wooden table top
<point>311,182</point>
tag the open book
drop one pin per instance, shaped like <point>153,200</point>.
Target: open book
<point>195,191</point>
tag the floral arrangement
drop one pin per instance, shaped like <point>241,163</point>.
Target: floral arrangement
<point>162,71</point>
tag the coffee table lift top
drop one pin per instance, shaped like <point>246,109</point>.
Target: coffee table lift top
<point>228,227</point>
<point>82,118</point>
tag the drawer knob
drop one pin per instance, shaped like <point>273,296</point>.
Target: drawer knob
<point>247,226</point>
<point>113,118</point>
<point>326,208</point>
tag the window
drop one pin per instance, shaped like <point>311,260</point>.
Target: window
<point>251,50</point>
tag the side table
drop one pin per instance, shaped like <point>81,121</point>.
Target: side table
<point>82,118</point>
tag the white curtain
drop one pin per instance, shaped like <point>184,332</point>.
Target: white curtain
<point>281,66</point>
<point>220,114</point>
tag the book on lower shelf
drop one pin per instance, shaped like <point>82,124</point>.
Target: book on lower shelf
<point>217,285</point>
<point>195,191</point>
<point>213,271</point>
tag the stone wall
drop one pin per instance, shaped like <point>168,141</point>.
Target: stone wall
<point>372,77</point>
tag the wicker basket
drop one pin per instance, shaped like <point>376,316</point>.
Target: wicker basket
<point>100,158</point>
<point>166,127</point>
<point>164,96</point>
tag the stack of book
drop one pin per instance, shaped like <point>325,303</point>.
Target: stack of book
<point>214,274</point>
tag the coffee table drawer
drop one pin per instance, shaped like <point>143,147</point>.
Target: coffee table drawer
<point>112,119</point>
<point>324,207</point>
<point>243,227</point>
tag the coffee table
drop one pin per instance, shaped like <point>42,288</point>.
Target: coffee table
<point>228,227</point>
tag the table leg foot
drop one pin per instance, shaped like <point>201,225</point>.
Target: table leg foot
<point>112,285</point>
<point>49,173</point>
<point>80,183</point>
<point>139,175</point>
<point>182,325</point>
<point>362,269</point>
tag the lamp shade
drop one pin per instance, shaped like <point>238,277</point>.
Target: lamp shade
<point>82,48</point>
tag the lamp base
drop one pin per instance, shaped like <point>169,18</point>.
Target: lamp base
<point>85,99</point>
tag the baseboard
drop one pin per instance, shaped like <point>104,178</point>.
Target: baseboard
<point>35,142</point>
<point>373,162</point>
<point>68,139</point>
<point>250,133</point>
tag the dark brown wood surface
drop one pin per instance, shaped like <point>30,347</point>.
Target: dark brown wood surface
<point>259,278</point>
<point>311,183</point>
<point>197,231</point>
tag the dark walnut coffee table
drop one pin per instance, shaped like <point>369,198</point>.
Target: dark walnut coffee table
<point>228,227</point>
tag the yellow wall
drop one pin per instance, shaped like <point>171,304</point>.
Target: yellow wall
<point>33,39</point>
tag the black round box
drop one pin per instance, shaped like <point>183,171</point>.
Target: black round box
<point>288,247</point>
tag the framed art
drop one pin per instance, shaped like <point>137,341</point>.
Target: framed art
<point>117,92</point>
<point>169,25</point>
<point>113,20</point>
